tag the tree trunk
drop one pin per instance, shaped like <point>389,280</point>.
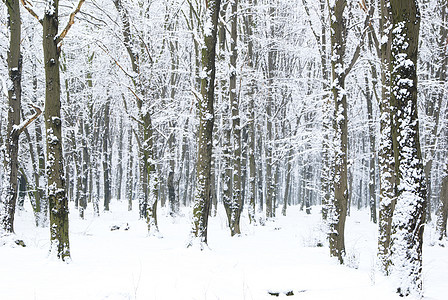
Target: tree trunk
<point>236,204</point>
<point>173,200</point>
<point>442,212</point>
<point>9,190</point>
<point>269,136</point>
<point>130,167</point>
<point>106,157</point>
<point>55,169</point>
<point>249,25</point>
<point>120,160</point>
<point>84,157</point>
<point>409,216</point>
<point>385,151</point>
<point>206,120</point>
<point>372,177</point>
<point>338,207</point>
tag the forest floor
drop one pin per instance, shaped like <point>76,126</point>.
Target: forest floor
<point>280,257</point>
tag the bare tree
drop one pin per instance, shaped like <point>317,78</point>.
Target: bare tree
<point>202,197</point>
<point>59,234</point>
<point>410,211</point>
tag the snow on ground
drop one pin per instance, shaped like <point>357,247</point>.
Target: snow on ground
<point>279,257</point>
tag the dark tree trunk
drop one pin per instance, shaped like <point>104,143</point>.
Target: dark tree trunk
<point>106,157</point>
<point>442,212</point>
<point>55,168</point>
<point>338,209</point>
<point>9,190</point>
<point>409,216</point>
<point>120,160</point>
<point>206,120</point>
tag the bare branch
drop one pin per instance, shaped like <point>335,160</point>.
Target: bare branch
<point>71,21</point>
<point>115,61</point>
<point>28,6</point>
<point>358,48</point>
<point>21,127</point>
<point>311,25</point>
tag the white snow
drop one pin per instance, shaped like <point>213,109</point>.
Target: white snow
<point>279,257</point>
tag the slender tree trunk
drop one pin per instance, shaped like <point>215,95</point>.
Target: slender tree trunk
<point>269,136</point>
<point>442,212</point>
<point>236,201</point>
<point>120,160</point>
<point>249,25</point>
<point>106,157</point>
<point>288,181</point>
<point>39,174</point>
<point>252,170</point>
<point>338,206</point>
<point>130,176</point>
<point>385,151</point>
<point>259,167</point>
<point>372,177</point>
<point>84,171</point>
<point>96,166</point>
<point>173,200</point>
<point>152,180</point>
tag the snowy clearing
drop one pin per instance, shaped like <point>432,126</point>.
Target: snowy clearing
<point>280,257</point>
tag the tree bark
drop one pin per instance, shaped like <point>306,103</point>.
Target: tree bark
<point>236,203</point>
<point>206,120</point>
<point>442,212</point>
<point>55,168</point>
<point>106,157</point>
<point>14,57</point>
<point>410,210</point>
<point>385,151</point>
<point>338,207</point>
<point>120,160</point>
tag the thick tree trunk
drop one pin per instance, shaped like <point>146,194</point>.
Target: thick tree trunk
<point>9,190</point>
<point>55,168</point>
<point>409,216</point>
<point>206,120</point>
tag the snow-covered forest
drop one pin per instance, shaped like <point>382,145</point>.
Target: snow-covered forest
<point>223,149</point>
